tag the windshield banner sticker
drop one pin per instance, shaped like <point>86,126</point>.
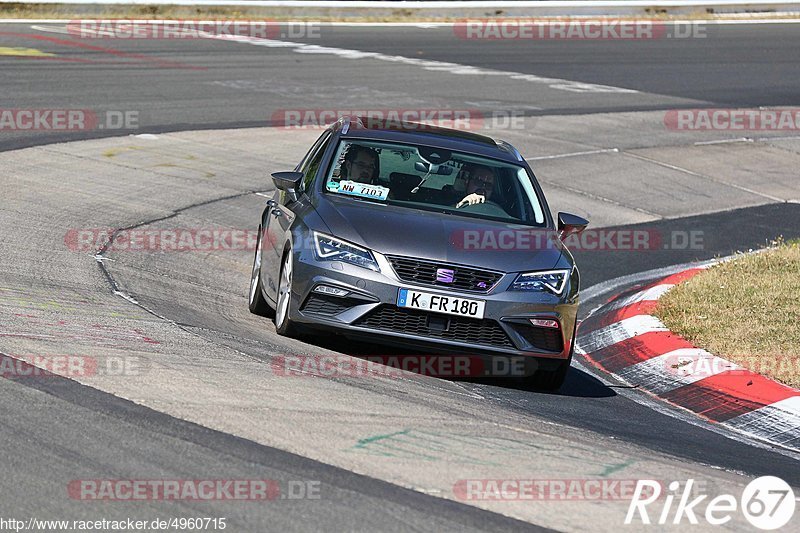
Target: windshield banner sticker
<point>362,190</point>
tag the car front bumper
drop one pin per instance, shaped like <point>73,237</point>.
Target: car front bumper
<point>369,310</point>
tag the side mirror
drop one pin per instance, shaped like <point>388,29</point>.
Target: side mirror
<point>288,181</point>
<point>569,224</point>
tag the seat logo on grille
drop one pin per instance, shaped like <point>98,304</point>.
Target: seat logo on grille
<point>445,275</point>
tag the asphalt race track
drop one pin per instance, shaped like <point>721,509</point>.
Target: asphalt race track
<point>206,403</point>
<point>194,84</point>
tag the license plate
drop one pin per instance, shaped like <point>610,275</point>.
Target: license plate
<point>438,303</point>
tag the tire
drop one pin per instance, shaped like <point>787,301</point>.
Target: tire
<point>283,324</point>
<point>551,380</point>
<point>256,302</point>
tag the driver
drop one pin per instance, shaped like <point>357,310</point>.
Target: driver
<point>361,164</point>
<point>480,184</point>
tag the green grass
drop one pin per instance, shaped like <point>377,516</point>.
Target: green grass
<point>746,310</point>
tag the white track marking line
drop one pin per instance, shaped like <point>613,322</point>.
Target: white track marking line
<point>619,331</point>
<point>724,141</point>
<point>51,29</point>
<point>653,293</point>
<point>426,64</point>
<point>574,154</point>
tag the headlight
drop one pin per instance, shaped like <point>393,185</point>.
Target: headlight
<point>552,281</point>
<point>327,248</point>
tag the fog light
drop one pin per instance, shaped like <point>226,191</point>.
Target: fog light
<point>544,323</point>
<point>333,291</point>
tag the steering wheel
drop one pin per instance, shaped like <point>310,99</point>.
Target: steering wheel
<point>488,208</point>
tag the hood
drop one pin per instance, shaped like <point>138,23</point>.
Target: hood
<point>393,230</point>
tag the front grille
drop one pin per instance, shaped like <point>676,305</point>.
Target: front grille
<point>542,338</point>
<point>326,305</point>
<point>424,272</point>
<point>468,330</point>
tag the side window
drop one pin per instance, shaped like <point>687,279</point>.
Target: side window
<point>306,158</point>
<point>311,164</point>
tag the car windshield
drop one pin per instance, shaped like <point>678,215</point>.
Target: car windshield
<point>434,179</point>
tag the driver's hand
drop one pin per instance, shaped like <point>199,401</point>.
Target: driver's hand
<point>471,199</point>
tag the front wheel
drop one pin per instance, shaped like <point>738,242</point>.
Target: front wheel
<point>551,380</point>
<point>256,301</point>
<point>283,325</point>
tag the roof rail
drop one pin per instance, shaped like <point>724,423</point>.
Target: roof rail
<point>345,122</point>
<point>507,147</point>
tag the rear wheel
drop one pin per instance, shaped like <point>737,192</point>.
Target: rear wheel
<point>256,301</point>
<point>283,325</point>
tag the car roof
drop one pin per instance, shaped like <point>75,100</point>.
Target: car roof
<point>353,127</point>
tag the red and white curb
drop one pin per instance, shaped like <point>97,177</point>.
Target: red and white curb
<point>624,339</point>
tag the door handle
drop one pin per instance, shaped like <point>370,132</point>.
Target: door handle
<point>276,213</point>
<point>271,203</point>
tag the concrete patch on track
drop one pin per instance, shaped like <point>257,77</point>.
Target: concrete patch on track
<point>753,167</point>
<point>664,192</point>
<point>209,359</point>
<point>621,168</point>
